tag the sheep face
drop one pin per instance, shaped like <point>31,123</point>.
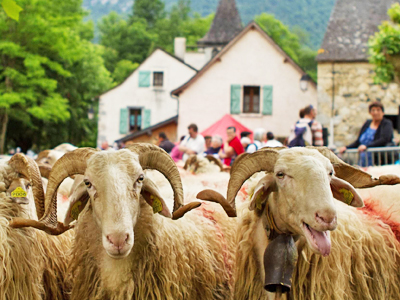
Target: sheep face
<point>302,202</point>
<point>114,182</point>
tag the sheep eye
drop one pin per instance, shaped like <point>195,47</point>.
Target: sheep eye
<point>28,185</point>
<point>88,184</point>
<point>141,178</point>
<point>280,175</point>
<point>330,173</point>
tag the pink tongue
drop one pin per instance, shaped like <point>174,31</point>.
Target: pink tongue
<point>322,241</point>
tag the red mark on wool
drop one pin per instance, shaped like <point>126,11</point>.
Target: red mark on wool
<point>62,198</point>
<point>208,212</point>
<point>374,210</point>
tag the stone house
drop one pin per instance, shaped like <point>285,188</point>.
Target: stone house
<point>143,100</point>
<point>252,79</point>
<point>345,78</point>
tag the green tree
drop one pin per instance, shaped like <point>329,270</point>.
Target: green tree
<point>384,48</point>
<point>48,73</point>
<point>290,42</point>
<point>149,10</point>
<point>123,40</point>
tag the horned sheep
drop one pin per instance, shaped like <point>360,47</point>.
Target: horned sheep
<point>33,264</point>
<point>122,249</point>
<point>295,198</point>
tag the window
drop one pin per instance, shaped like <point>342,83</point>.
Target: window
<point>158,78</point>
<point>135,119</point>
<point>251,99</point>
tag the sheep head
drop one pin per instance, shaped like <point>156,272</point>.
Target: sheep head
<point>114,182</point>
<point>298,190</point>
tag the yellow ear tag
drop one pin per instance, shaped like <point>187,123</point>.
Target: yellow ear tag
<point>18,193</point>
<point>259,201</point>
<point>347,195</point>
<point>75,210</point>
<point>157,205</point>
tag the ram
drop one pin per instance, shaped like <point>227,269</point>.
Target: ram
<point>33,264</point>
<point>122,249</point>
<point>295,200</point>
<point>199,164</point>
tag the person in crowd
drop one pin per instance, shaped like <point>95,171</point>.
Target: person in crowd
<point>377,132</point>
<point>231,148</point>
<point>193,143</point>
<point>259,137</point>
<point>216,143</point>
<point>105,146</point>
<point>271,142</point>
<point>245,134</point>
<point>248,146</point>
<point>175,154</point>
<point>208,139</point>
<point>307,131</point>
<point>165,143</point>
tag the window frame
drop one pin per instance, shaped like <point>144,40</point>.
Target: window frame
<point>251,104</point>
<point>137,127</point>
<point>154,79</point>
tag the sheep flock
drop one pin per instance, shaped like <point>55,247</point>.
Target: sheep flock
<point>296,223</point>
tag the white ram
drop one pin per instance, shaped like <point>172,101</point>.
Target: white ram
<point>122,249</point>
<point>295,198</point>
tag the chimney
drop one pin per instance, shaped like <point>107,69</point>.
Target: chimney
<point>180,47</point>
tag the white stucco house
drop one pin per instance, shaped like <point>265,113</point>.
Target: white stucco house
<point>252,79</point>
<point>144,98</point>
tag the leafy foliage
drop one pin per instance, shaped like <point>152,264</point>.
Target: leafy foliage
<point>11,8</point>
<point>49,74</point>
<point>384,47</point>
<point>311,15</point>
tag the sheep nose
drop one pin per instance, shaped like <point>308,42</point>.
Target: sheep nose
<point>118,240</point>
<point>327,218</point>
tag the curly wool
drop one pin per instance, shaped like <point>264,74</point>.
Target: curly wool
<point>32,264</point>
<point>363,263</point>
<point>183,259</point>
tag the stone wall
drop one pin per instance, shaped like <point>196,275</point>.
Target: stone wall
<point>354,90</point>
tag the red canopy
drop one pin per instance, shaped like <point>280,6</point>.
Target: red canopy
<point>222,124</point>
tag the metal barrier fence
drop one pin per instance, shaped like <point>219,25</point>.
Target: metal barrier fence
<point>376,156</point>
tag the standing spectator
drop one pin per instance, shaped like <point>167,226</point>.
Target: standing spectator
<point>231,148</point>
<point>245,134</point>
<point>193,143</point>
<point>377,132</point>
<point>175,153</point>
<point>259,137</point>
<point>307,131</point>
<point>248,146</point>
<point>271,142</point>
<point>164,142</point>
<point>208,139</point>
<point>216,143</point>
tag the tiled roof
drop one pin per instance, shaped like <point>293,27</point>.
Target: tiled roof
<point>226,25</point>
<point>351,24</point>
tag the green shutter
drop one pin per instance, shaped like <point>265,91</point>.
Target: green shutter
<point>235,98</point>
<point>267,100</point>
<point>123,121</point>
<point>146,120</point>
<point>144,78</point>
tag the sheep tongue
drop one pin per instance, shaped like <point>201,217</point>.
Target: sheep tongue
<point>322,240</point>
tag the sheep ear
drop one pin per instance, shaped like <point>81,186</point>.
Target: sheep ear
<point>345,192</point>
<point>152,196</point>
<point>78,200</point>
<point>263,189</point>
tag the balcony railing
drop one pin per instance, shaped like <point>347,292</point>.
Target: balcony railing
<point>376,156</point>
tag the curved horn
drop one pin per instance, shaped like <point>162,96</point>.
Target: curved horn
<point>153,157</point>
<point>356,177</point>
<point>71,163</point>
<point>190,161</point>
<point>245,166</point>
<point>212,158</point>
<point>28,168</point>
